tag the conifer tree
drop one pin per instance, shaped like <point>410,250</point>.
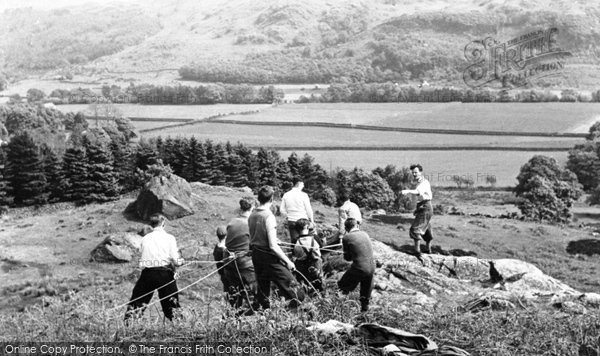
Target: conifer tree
<point>26,171</point>
<point>194,161</point>
<point>102,180</point>
<point>75,169</point>
<point>54,174</point>
<point>293,163</point>
<point>267,162</point>
<point>219,165</point>
<point>208,174</point>
<point>5,199</point>
<point>249,167</point>
<point>123,164</point>
<point>233,167</point>
<point>146,155</point>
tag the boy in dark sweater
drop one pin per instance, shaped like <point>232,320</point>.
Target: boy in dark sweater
<point>358,249</point>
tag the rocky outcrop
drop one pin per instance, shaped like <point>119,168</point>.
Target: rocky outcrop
<point>498,284</point>
<point>171,196</point>
<point>118,248</point>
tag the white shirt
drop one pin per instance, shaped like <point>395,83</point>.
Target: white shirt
<point>349,210</point>
<point>296,205</point>
<point>424,189</point>
<point>159,248</point>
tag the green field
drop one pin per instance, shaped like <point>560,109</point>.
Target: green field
<point>441,164</point>
<point>170,111</point>
<point>527,117</point>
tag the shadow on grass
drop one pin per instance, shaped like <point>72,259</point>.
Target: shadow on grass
<point>435,249</point>
<point>585,247</point>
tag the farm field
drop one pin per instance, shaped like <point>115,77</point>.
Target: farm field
<point>171,111</point>
<point>439,166</point>
<point>525,117</point>
<point>286,136</point>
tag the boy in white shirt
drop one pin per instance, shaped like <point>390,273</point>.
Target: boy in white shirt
<point>420,229</point>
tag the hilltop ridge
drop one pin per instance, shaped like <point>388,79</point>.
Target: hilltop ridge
<point>396,39</point>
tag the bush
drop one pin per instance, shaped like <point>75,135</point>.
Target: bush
<point>369,190</point>
<point>548,191</point>
<point>326,196</point>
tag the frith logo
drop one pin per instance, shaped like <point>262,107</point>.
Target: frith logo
<point>516,62</point>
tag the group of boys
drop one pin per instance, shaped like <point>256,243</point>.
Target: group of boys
<point>250,257</point>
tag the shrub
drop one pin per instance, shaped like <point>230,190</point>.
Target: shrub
<point>548,191</point>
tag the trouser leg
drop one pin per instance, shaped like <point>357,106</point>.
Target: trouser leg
<point>141,295</point>
<point>292,230</point>
<point>286,284</point>
<point>366,286</point>
<point>169,298</point>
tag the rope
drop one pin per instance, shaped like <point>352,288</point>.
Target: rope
<point>152,291</point>
<point>309,282</point>
<point>243,286</point>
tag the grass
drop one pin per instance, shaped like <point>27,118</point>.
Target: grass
<point>77,301</point>
<point>525,117</point>
<point>171,111</point>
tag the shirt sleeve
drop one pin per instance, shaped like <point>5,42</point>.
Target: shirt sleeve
<point>308,208</point>
<point>174,251</point>
<point>283,208</point>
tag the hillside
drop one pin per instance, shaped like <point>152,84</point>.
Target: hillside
<point>49,281</point>
<point>308,41</point>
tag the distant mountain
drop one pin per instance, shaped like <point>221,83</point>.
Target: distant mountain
<point>294,41</point>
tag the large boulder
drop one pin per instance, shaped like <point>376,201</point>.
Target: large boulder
<point>171,196</point>
<point>118,248</point>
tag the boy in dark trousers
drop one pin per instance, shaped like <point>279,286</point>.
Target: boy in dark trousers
<point>307,257</point>
<point>358,249</point>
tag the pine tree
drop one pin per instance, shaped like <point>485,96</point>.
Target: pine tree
<point>207,175</point>
<point>26,171</point>
<point>194,161</point>
<point>233,167</point>
<point>293,163</point>
<point>123,163</point>
<point>5,199</point>
<point>75,169</point>
<point>54,174</point>
<point>219,165</point>
<point>249,167</point>
<point>268,162</point>
<point>102,179</point>
<point>146,155</point>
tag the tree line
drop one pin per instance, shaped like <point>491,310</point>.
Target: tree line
<point>51,156</point>
<point>390,92</point>
<point>160,95</point>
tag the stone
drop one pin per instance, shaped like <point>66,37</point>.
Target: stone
<point>117,248</point>
<point>171,196</point>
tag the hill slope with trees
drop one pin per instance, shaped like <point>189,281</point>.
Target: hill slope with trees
<point>293,42</point>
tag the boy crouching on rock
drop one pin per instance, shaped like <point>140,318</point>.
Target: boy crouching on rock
<point>307,258</point>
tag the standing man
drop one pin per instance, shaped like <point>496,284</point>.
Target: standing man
<point>347,210</point>
<point>420,229</point>
<point>295,204</point>
<point>241,271</point>
<point>159,256</point>
<point>358,249</point>
<point>271,264</point>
